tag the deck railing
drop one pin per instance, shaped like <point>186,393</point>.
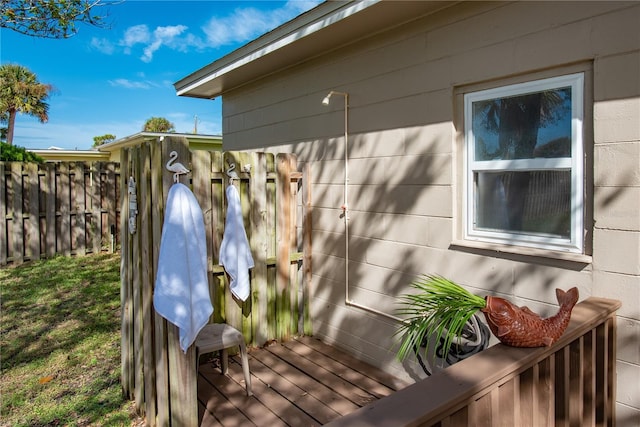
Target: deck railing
<point>571,383</point>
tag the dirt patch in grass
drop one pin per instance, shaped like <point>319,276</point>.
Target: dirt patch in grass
<point>60,341</point>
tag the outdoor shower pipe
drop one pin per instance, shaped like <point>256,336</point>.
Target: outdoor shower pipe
<point>345,210</point>
<point>345,206</point>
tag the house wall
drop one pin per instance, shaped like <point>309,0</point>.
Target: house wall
<point>404,90</point>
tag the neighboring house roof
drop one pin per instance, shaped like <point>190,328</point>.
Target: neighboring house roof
<point>111,150</point>
<point>301,39</point>
<point>196,141</point>
<point>60,155</point>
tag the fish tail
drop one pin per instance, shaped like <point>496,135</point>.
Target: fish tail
<point>567,299</point>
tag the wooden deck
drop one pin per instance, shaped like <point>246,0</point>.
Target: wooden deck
<point>299,383</point>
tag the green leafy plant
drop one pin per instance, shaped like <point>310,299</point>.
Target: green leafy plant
<point>50,18</point>
<point>14,153</point>
<point>440,308</point>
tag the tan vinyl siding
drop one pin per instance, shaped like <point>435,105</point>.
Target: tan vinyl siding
<point>405,163</point>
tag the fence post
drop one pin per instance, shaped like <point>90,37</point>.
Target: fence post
<point>32,236</point>
<point>50,215</point>
<point>283,238</point>
<point>136,283</point>
<point>63,182</point>
<point>160,324</point>
<point>258,241</point>
<point>110,199</point>
<point>126,294</point>
<point>147,280</point>
<point>217,285</point>
<point>95,172</point>
<point>78,233</point>
<point>202,189</point>
<point>307,209</point>
<point>16,213</point>
<point>183,388</point>
<point>233,308</point>
<point>3,217</point>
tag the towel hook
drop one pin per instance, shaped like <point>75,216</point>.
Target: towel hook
<point>177,168</point>
<point>231,173</point>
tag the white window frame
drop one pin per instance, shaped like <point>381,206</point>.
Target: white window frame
<point>575,243</point>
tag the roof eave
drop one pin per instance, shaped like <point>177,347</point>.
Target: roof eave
<point>301,39</point>
<point>280,37</point>
<point>60,155</point>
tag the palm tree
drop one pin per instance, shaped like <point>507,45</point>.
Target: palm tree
<point>4,119</point>
<point>158,124</point>
<point>103,139</point>
<point>21,92</point>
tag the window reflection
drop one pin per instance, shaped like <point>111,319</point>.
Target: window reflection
<point>524,202</point>
<point>524,126</point>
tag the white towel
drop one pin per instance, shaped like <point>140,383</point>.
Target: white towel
<point>235,253</point>
<point>182,287</point>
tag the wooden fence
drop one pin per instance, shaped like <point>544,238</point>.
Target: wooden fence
<point>571,383</point>
<point>155,372</point>
<point>68,208</point>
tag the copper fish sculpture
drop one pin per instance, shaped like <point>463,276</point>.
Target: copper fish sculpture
<point>521,327</point>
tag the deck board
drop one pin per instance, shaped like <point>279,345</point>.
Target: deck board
<point>330,387</point>
<point>355,364</point>
<point>355,372</point>
<point>301,383</point>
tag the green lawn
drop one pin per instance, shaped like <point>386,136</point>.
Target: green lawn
<point>60,344</point>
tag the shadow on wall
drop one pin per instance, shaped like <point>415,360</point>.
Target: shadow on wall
<point>400,206</point>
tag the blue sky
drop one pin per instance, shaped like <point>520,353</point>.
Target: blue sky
<point>110,81</point>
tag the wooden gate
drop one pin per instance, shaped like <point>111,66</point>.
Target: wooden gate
<point>274,197</point>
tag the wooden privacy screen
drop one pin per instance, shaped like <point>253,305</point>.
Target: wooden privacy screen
<point>65,208</point>
<point>155,372</point>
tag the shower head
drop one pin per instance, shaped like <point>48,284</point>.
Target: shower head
<point>326,99</point>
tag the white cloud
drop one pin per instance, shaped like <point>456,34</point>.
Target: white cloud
<point>242,25</point>
<point>70,136</point>
<point>102,45</point>
<point>247,23</point>
<point>135,35</point>
<point>162,36</point>
<point>169,33</point>
<point>131,84</point>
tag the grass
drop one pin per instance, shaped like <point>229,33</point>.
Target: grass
<point>60,343</point>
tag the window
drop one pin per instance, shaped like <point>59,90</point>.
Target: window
<point>523,164</point>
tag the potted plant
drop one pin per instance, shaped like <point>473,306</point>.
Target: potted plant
<point>440,309</point>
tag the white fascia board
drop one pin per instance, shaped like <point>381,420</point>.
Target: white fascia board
<point>304,25</point>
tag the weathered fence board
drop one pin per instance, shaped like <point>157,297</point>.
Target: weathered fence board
<point>156,373</point>
<point>57,208</point>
